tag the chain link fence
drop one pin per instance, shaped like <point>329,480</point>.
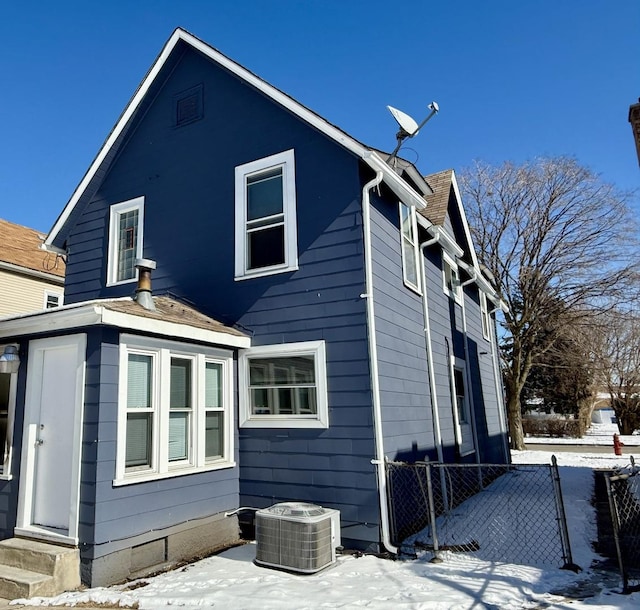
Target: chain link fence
<point>496,512</point>
<point>623,490</point>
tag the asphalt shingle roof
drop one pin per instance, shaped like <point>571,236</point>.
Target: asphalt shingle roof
<point>437,204</point>
<point>21,246</point>
<point>169,309</point>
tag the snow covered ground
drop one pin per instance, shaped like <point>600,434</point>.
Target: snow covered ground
<point>232,581</point>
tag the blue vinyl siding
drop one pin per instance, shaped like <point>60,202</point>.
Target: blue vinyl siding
<point>329,467</point>
<point>403,375</point>
<point>186,175</point>
<point>109,515</point>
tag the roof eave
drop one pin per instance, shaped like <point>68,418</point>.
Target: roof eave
<point>82,315</point>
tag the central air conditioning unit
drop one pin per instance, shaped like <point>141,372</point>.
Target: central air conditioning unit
<point>297,536</point>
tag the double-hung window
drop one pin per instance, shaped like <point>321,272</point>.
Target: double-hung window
<point>180,409</point>
<point>410,252</point>
<point>214,436</point>
<point>52,299</point>
<point>451,278</point>
<point>175,413</point>
<point>125,240</point>
<point>284,386</point>
<point>265,216</point>
<point>141,409</point>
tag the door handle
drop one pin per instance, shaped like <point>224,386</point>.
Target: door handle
<point>39,442</point>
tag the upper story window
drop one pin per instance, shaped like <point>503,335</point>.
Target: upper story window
<point>52,299</point>
<point>265,232</point>
<point>484,314</point>
<point>125,240</point>
<point>451,278</point>
<point>284,386</point>
<point>175,410</point>
<point>410,252</point>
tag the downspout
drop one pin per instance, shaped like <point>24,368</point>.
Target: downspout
<point>498,383</point>
<point>379,460</point>
<point>437,433</point>
<point>474,426</point>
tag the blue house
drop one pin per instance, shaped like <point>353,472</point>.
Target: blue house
<point>258,308</point>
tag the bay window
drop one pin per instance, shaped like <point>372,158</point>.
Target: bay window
<point>176,414</point>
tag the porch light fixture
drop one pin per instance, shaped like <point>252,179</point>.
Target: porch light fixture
<point>10,361</point>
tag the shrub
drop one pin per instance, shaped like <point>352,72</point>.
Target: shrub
<point>554,427</point>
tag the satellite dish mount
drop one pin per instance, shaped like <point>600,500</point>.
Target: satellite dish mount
<point>408,127</point>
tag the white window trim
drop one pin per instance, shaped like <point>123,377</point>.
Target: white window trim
<point>112,260</point>
<point>286,160</point>
<point>308,348</point>
<point>7,449</point>
<point>455,294</point>
<point>413,241</point>
<point>52,293</point>
<point>485,318</point>
<point>163,351</point>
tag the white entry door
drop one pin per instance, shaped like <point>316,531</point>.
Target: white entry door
<point>50,469</point>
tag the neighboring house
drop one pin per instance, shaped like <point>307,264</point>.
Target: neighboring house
<point>30,278</point>
<point>634,119</point>
<point>316,310</point>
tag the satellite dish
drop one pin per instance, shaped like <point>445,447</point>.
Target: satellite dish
<point>407,124</point>
<point>408,127</point>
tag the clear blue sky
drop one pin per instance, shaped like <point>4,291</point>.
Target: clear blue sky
<point>514,79</point>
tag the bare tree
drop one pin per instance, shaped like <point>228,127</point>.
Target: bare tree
<point>556,240</point>
<point>616,348</point>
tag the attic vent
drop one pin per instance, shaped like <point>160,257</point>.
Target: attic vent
<point>189,106</point>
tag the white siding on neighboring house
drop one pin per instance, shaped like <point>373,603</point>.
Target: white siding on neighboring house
<point>21,293</point>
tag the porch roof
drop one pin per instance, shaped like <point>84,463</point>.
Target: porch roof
<point>172,318</point>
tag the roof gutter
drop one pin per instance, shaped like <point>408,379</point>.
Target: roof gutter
<point>379,460</point>
<point>403,191</point>
<point>447,242</point>
<point>477,277</point>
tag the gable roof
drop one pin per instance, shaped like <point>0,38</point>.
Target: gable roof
<point>438,201</point>
<point>20,250</point>
<point>179,40</point>
<point>446,192</point>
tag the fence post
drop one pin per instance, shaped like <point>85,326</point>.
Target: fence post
<point>613,511</point>
<point>432,515</point>
<point>562,519</point>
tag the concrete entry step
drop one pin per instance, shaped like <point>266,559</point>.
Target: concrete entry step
<point>30,567</point>
<point>18,583</point>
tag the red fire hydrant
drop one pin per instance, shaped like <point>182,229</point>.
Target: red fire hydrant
<point>617,445</point>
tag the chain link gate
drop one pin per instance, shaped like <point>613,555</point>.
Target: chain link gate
<point>497,512</point>
<point>623,490</point>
